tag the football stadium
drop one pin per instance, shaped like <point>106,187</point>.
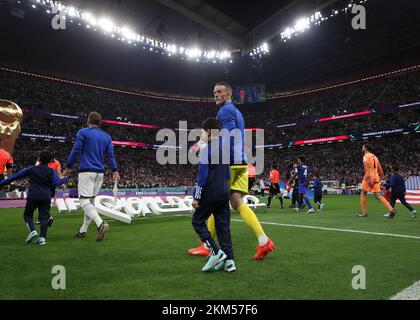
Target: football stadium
<point>208,150</point>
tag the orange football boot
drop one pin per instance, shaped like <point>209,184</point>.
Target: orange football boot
<point>200,251</point>
<point>263,250</point>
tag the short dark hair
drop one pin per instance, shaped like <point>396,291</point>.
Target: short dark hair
<point>302,158</point>
<point>395,168</point>
<point>226,85</point>
<point>273,166</point>
<point>94,118</point>
<point>368,146</point>
<point>211,123</point>
<point>54,153</point>
<point>45,156</point>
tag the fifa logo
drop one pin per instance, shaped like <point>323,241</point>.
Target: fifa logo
<point>58,21</point>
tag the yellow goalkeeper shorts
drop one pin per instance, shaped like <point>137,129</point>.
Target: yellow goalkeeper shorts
<point>239,178</point>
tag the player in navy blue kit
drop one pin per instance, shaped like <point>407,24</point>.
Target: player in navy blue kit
<point>318,192</point>
<point>302,172</point>
<point>211,196</point>
<point>397,185</point>
<point>42,182</point>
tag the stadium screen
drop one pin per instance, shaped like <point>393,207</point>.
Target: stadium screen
<point>253,93</point>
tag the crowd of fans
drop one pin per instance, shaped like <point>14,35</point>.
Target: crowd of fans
<point>139,168</point>
<point>343,161</point>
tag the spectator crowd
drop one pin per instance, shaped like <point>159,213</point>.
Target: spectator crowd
<point>139,168</point>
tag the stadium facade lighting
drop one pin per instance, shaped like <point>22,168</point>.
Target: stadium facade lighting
<point>260,50</point>
<point>106,25</point>
<point>303,24</point>
<point>128,35</point>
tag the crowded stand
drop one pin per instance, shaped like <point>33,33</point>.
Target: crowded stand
<point>338,161</point>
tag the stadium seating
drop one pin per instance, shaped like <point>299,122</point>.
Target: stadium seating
<point>337,161</point>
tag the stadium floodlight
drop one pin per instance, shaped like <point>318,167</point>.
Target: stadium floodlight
<point>89,18</point>
<point>128,34</point>
<point>72,12</point>
<point>106,24</point>
<point>193,53</point>
<point>265,47</point>
<point>171,48</point>
<point>224,55</point>
<point>211,54</point>
<point>302,24</point>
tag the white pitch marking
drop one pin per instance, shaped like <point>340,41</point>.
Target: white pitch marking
<point>299,226</point>
<point>410,293</point>
<point>338,230</point>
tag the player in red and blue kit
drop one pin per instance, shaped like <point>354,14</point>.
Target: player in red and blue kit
<point>303,183</point>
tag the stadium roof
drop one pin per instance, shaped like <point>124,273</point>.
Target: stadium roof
<point>330,52</point>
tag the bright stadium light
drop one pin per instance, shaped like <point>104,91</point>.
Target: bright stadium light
<point>128,34</point>
<point>89,18</point>
<point>106,25</point>
<point>125,34</point>
<point>305,23</point>
<point>302,24</point>
<point>265,47</point>
<point>211,54</point>
<point>72,12</point>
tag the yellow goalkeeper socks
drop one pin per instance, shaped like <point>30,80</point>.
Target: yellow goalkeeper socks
<point>251,220</point>
<point>211,225</point>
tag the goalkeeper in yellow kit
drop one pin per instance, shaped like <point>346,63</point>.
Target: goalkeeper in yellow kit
<point>232,119</point>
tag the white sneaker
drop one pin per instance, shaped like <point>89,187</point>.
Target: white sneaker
<point>31,236</point>
<point>214,260</point>
<point>296,209</point>
<point>230,266</point>
<point>413,214</point>
<point>311,210</point>
<point>226,265</point>
<point>322,206</point>
<point>41,241</point>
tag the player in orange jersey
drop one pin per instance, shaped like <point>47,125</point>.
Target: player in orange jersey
<point>274,186</point>
<point>371,181</point>
<point>6,164</point>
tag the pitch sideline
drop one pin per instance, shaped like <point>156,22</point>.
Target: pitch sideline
<point>306,227</point>
<point>337,230</point>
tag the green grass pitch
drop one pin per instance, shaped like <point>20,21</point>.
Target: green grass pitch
<point>148,259</point>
